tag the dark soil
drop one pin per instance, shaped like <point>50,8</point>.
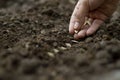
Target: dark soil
<point>35,43</point>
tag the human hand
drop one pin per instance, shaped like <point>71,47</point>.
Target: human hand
<point>97,11</point>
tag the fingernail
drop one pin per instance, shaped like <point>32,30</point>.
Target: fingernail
<point>76,25</point>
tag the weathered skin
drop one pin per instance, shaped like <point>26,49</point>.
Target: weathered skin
<point>97,10</point>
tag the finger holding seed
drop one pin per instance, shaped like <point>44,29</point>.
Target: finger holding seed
<point>76,27</point>
<point>99,10</point>
<point>82,33</point>
<point>88,22</point>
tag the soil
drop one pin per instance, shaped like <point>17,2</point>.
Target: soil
<point>35,44</point>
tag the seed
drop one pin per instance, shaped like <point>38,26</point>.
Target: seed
<point>43,32</point>
<point>68,45</point>
<point>51,54</point>
<point>74,41</point>
<point>87,22</point>
<point>56,50</point>
<point>27,45</point>
<point>63,48</point>
<point>76,31</point>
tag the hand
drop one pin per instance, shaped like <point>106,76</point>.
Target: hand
<point>97,11</point>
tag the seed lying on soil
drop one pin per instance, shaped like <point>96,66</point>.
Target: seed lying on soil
<point>63,48</point>
<point>27,45</point>
<point>43,32</point>
<point>51,54</point>
<point>68,45</point>
<point>56,50</point>
<point>74,41</point>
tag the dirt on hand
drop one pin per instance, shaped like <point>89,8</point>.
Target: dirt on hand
<point>35,44</point>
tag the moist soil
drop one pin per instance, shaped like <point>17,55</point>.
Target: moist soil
<point>35,44</point>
